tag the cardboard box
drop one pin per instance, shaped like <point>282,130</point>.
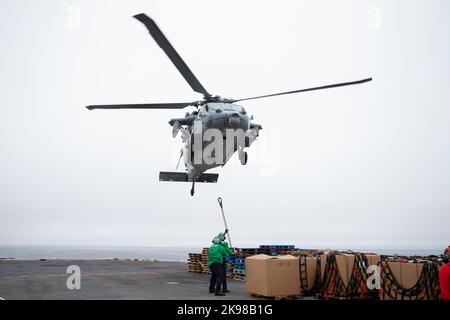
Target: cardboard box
<point>311,271</point>
<point>345,263</point>
<point>406,274</point>
<point>323,262</point>
<point>372,259</point>
<point>311,268</point>
<point>272,276</point>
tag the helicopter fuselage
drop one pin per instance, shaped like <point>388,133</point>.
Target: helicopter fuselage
<point>217,131</point>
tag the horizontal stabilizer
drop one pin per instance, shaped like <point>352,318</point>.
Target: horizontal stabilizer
<point>183,177</point>
<point>208,177</point>
<point>173,176</point>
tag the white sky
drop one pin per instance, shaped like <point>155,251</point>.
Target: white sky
<point>358,167</point>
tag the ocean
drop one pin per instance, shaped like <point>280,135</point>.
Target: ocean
<point>94,252</point>
<point>143,253</point>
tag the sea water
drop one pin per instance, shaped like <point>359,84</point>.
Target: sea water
<point>145,253</point>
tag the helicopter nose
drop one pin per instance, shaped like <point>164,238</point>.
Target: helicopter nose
<point>234,120</point>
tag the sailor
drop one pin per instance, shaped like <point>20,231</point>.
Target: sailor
<point>216,258</point>
<point>444,275</point>
<point>224,244</point>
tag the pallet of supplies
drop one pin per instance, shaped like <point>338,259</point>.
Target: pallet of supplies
<point>272,276</point>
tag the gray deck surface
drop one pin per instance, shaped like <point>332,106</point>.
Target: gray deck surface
<point>108,279</point>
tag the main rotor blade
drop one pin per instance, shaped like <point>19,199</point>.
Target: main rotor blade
<point>162,41</point>
<point>309,89</point>
<point>142,106</point>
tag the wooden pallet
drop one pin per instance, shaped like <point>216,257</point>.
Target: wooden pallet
<point>238,277</point>
<point>194,263</point>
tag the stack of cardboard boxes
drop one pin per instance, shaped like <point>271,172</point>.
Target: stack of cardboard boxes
<point>327,275</point>
<point>283,276</point>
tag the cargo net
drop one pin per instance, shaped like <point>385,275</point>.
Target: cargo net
<point>412,279</point>
<point>306,288</point>
<point>333,286</point>
<point>426,287</point>
<point>342,275</point>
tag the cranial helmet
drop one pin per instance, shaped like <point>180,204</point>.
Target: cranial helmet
<point>446,256</point>
<point>221,236</point>
<point>216,240</point>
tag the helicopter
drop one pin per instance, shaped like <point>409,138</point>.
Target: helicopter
<point>233,129</point>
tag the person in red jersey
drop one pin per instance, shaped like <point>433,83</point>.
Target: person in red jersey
<point>444,276</point>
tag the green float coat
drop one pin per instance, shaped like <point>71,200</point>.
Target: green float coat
<point>227,248</point>
<point>216,254</point>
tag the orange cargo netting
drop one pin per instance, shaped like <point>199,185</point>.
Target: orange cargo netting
<point>395,287</point>
<point>345,277</point>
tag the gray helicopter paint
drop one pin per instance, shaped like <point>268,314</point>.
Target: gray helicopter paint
<point>224,116</point>
<point>219,116</point>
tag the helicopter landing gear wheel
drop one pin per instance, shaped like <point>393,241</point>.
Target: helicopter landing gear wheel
<point>244,158</point>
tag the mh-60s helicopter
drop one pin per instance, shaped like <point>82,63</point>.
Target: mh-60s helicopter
<point>213,113</point>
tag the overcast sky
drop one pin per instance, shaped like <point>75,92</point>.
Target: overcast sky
<point>357,167</point>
